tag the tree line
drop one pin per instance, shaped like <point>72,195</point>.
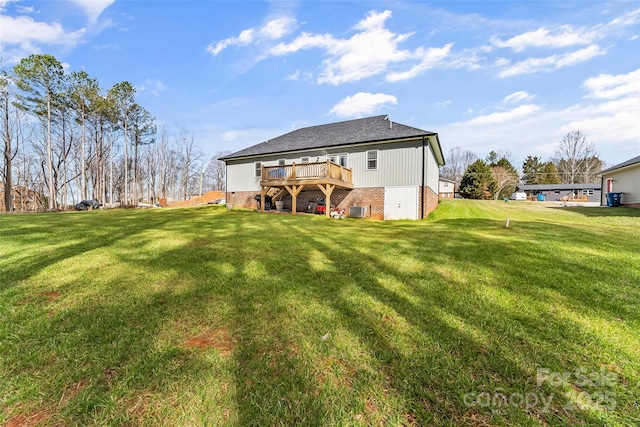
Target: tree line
<point>67,139</point>
<point>575,161</point>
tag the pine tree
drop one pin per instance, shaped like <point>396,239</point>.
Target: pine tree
<point>478,182</point>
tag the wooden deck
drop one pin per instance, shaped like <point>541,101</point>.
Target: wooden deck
<point>294,178</point>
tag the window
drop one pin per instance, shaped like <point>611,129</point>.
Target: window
<point>281,162</point>
<point>372,160</point>
<point>339,159</point>
<point>587,192</point>
<point>304,160</point>
<point>257,169</point>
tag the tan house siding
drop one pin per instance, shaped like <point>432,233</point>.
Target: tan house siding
<point>626,181</point>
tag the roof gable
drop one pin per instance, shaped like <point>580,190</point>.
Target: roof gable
<point>629,162</point>
<point>370,129</point>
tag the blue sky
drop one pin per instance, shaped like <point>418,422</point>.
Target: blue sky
<point>496,75</point>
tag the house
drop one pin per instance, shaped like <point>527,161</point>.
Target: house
<point>23,199</point>
<point>369,167</point>
<point>622,178</point>
<point>562,192</point>
<point>447,188</point>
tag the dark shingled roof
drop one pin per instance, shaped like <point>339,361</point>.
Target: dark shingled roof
<point>370,129</point>
<point>623,164</point>
<point>542,187</point>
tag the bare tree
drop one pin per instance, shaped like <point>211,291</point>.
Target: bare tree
<point>457,163</point>
<point>8,136</point>
<point>216,171</point>
<point>189,158</point>
<point>576,159</point>
<point>506,179</point>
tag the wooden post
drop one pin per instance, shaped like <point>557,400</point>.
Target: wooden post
<point>294,190</point>
<point>263,192</point>
<point>293,170</point>
<point>327,198</point>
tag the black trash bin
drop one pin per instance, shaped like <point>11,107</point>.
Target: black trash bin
<point>613,199</point>
<point>267,201</point>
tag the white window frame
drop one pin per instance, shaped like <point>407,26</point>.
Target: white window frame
<point>257,169</point>
<point>305,160</point>
<point>282,162</point>
<point>376,159</point>
<point>339,159</point>
<point>587,192</point>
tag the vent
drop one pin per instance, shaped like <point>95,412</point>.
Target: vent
<point>356,211</point>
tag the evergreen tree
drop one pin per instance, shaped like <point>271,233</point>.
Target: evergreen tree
<point>478,182</point>
<point>534,171</point>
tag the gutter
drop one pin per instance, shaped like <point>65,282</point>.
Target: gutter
<point>422,187</point>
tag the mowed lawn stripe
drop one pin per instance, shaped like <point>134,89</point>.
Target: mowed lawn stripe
<point>202,316</point>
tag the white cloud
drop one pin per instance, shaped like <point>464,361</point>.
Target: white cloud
<point>608,114</point>
<point>4,3</point>
<point>564,36</point>
<point>231,135</point>
<point>93,8</point>
<point>362,103</point>
<point>505,116</point>
<point>22,36</point>
<point>607,86</point>
<point>273,29</point>
<point>549,63</point>
<point>152,86</point>
<point>629,18</point>
<point>23,29</point>
<point>519,96</point>
<point>368,52</point>
<point>431,58</point>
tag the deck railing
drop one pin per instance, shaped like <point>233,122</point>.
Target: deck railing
<point>316,170</point>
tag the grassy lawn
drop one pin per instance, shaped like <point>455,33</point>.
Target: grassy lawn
<point>206,317</point>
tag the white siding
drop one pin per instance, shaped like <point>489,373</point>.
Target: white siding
<point>399,164</point>
<point>625,181</point>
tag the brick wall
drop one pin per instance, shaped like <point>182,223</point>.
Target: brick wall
<point>372,199</point>
<point>431,201</point>
<point>243,199</point>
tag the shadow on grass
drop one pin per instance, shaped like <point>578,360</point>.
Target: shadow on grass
<point>332,322</point>
<point>602,211</point>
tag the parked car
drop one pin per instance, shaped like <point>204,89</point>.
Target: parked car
<point>520,196</point>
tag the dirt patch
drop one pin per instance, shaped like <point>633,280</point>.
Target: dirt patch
<point>30,420</point>
<point>218,339</point>
<point>371,406</point>
<point>50,296</point>
<point>42,416</point>
<point>207,198</point>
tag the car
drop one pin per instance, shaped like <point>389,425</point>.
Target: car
<point>519,196</point>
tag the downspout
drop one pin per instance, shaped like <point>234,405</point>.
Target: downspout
<point>422,187</point>
<point>226,187</point>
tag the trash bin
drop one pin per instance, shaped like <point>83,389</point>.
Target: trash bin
<point>541,197</point>
<point>613,199</point>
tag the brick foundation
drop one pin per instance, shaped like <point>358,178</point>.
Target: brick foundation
<point>372,199</point>
<point>243,199</point>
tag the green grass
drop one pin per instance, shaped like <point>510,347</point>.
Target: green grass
<point>206,317</point>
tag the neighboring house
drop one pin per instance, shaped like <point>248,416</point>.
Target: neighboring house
<point>370,167</point>
<point>622,178</point>
<point>23,199</point>
<point>563,192</point>
<point>447,188</point>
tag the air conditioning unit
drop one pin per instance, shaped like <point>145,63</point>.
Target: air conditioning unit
<point>357,211</point>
